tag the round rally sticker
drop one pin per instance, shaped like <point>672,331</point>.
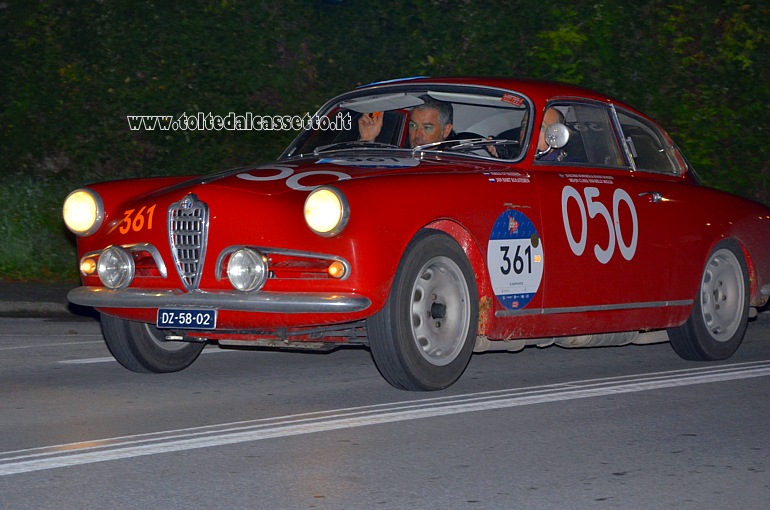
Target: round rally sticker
<point>515,259</point>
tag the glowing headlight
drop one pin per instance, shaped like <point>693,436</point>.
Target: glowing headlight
<point>247,270</point>
<point>83,212</point>
<point>116,267</point>
<point>326,211</point>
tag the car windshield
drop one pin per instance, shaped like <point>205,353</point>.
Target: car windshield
<point>486,123</point>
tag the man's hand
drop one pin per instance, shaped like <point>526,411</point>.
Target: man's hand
<point>491,149</point>
<point>369,126</point>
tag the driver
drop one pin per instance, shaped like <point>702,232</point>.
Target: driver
<point>429,122</point>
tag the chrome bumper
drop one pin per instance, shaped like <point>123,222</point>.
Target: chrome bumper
<point>271,302</point>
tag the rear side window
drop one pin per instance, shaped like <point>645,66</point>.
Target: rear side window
<point>647,145</point>
<point>592,138</point>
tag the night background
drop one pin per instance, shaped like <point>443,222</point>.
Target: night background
<point>73,70</point>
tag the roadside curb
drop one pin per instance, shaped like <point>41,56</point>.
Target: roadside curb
<point>34,308</point>
<point>40,299</point>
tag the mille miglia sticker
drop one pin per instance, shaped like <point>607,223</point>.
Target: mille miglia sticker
<point>515,259</point>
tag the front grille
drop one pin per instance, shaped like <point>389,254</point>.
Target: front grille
<point>188,222</point>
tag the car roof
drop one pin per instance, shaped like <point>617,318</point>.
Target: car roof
<point>537,90</point>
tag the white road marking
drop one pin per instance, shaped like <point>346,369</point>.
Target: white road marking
<point>110,359</point>
<point>74,454</point>
<point>87,361</point>
<point>62,344</point>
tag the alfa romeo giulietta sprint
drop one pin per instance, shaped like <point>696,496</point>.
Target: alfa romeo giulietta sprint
<point>427,219</point>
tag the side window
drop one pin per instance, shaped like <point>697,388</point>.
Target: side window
<point>647,145</point>
<point>592,139</point>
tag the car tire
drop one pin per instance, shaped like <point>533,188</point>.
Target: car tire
<point>423,337</point>
<point>720,313</point>
<point>142,347</point>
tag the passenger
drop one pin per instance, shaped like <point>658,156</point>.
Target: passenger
<point>510,150</point>
<point>544,152</point>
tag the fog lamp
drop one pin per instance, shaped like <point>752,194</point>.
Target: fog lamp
<point>336,269</point>
<point>116,267</point>
<point>88,266</point>
<point>247,269</point>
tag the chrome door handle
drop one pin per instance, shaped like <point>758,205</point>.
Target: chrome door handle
<point>655,196</point>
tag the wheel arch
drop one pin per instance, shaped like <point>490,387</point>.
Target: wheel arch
<point>468,243</point>
<point>750,264</point>
<point>755,296</point>
<point>755,283</point>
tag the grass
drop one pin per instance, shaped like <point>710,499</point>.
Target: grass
<point>35,243</point>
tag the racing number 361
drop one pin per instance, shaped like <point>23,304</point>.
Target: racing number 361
<point>593,207</point>
<point>518,262</point>
<point>136,222</point>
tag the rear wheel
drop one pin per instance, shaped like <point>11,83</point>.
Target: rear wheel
<point>719,317</point>
<point>423,337</point>
<point>142,347</point>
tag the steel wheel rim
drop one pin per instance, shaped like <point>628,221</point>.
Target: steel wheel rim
<point>440,310</point>
<point>722,296</point>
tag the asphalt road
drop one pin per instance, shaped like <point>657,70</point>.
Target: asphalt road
<point>628,427</point>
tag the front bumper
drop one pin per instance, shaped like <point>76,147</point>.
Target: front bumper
<point>270,302</point>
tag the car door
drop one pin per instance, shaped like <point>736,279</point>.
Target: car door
<point>684,206</point>
<point>608,256</point>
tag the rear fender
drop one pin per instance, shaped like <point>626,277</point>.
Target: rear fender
<point>755,283</point>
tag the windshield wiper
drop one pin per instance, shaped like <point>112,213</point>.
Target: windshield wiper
<point>468,143</point>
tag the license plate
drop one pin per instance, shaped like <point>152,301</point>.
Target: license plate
<point>185,318</point>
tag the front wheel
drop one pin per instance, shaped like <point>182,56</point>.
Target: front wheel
<point>720,315</point>
<point>143,348</point>
<point>423,337</point>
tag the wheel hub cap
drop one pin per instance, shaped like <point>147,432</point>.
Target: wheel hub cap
<point>722,295</point>
<point>440,310</point>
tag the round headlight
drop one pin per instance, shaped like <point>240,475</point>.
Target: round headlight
<point>115,267</point>
<point>83,212</point>
<point>326,211</point>
<point>247,270</point>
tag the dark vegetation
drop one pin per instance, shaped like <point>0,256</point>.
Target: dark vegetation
<point>72,70</point>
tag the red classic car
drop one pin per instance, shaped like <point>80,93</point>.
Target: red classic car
<point>428,218</point>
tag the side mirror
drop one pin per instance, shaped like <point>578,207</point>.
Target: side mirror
<point>556,135</point>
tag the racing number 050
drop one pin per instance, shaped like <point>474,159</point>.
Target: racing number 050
<point>591,206</point>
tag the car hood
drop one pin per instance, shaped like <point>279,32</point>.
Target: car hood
<point>308,173</point>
